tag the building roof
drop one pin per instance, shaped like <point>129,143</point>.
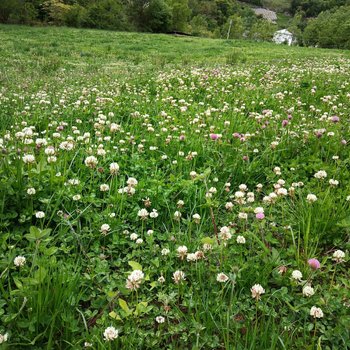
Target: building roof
<point>283,31</point>
<point>266,14</point>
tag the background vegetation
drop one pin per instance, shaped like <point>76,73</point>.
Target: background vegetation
<point>306,19</point>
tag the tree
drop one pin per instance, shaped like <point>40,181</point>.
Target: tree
<point>158,16</point>
<point>262,30</point>
<point>331,29</point>
<point>17,11</point>
<point>237,27</point>
<point>180,15</point>
<point>106,14</point>
<point>297,26</point>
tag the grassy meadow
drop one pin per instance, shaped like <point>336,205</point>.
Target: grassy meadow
<point>162,192</point>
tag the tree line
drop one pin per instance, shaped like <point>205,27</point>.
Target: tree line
<point>210,18</point>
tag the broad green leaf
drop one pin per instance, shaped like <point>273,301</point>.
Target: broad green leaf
<point>18,283</point>
<point>115,316</point>
<point>208,240</point>
<point>40,274</point>
<point>124,305</point>
<point>155,262</point>
<point>154,284</point>
<point>135,265</point>
<point>50,251</point>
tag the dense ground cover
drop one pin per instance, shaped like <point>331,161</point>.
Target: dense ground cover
<point>197,202</point>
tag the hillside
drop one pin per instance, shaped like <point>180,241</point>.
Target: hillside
<point>39,53</point>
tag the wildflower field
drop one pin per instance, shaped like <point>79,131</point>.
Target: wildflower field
<point>159,192</point>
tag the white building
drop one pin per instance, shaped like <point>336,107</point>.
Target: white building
<point>283,36</point>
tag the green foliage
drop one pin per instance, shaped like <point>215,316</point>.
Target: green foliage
<point>180,15</point>
<point>279,6</point>
<point>313,7</point>
<point>104,14</point>
<point>17,11</point>
<point>158,17</point>
<point>237,27</point>
<point>262,30</point>
<point>330,29</point>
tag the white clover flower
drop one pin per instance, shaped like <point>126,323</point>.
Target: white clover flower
<point>134,279</point>
<point>259,210</point>
<point>132,182</point>
<point>31,191</point>
<point>180,203</point>
<point>19,261</point>
<point>240,240</point>
<point>74,182</point>
<point>87,345</point>
<point>143,214</point>
<point>308,291</point>
<point>239,194</point>
<point>297,275</point>
<point>213,190</point>
<point>225,233</point>
<point>50,151</point>
<point>277,170</point>
<point>39,214</point>
<point>91,162</point>
<point>104,188</point>
<point>3,338</point>
<point>282,191</point>
<point>311,198</point>
<point>316,312</point>
<point>105,228</point>
<point>320,174</point>
<point>165,251</point>
<point>243,216</point>
<point>179,276</point>
<point>114,168</point>
<point>76,197</point>
<point>191,257</point>
<point>154,214</point>
<point>193,174</point>
<point>339,256</point>
<point>333,182</point>
<point>161,279</point>
<point>221,277</point>
<point>52,159</point>
<point>196,218</point>
<point>182,251</point>
<point>160,319</point>
<point>257,290</point>
<point>207,247</point>
<point>177,215</point>
<point>28,159</point>
<point>139,241</point>
<point>149,232</point>
<point>243,187</point>
<point>133,236</point>
<point>110,334</point>
<point>229,206</point>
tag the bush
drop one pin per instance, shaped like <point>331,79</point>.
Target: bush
<point>331,29</point>
<point>15,11</point>
<point>262,30</point>
<point>76,16</point>
<point>106,14</point>
<point>158,16</point>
